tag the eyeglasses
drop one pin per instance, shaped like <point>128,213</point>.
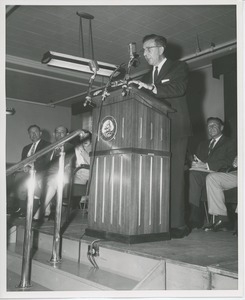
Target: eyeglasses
<point>148,49</point>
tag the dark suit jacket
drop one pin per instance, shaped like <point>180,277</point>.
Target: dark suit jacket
<point>171,84</point>
<point>221,156</point>
<point>53,165</point>
<point>41,163</point>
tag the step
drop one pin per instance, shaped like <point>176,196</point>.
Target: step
<point>14,280</point>
<point>67,275</point>
<point>110,259</point>
<point>133,268</point>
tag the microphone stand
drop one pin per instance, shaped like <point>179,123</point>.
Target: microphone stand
<point>88,97</point>
<point>125,89</point>
<point>105,92</point>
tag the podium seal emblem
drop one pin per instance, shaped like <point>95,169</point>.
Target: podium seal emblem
<point>108,128</point>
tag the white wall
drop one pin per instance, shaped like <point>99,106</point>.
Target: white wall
<point>82,121</point>
<point>206,94</point>
<point>213,106</point>
<point>27,114</point>
<point>205,99</point>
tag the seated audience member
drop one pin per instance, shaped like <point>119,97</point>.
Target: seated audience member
<point>215,154</point>
<point>50,182</point>
<point>21,176</point>
<point>82,158</point>
<point>216,184</point>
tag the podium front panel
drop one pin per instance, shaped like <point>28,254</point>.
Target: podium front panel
<point>130,194</point>
<point>137,126</point>
<point>129,190</point>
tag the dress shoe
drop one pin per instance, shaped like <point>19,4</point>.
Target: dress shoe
<point>195,225</point>
<point>221,226</point>
<point>208,227</point>
<point>51,216</point>
<point>19,213</point>
<point>37,221</point>
<point>41,219</point>
<point>179,233</point>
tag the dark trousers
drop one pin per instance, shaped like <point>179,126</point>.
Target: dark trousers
<point>197,195</point>
<point>177,182</point>
<point>19,189</point>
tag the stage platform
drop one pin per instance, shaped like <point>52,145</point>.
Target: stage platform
<point>200,261</point>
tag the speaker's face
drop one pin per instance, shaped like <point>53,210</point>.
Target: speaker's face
<point>152,53</point>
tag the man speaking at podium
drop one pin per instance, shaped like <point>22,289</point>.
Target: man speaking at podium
<point>168,80</point>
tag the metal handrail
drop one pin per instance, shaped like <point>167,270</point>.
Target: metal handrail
<point>25,281</point>
<point>56,255</point>
<point>40,153</point>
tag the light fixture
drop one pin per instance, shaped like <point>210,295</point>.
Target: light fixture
<point>80,63</point>
<point>198,48</point>
<point>76,63</point>
<point>10,111</point>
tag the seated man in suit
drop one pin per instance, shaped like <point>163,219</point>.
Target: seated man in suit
<point>20,177</point>
<point>50,183</point>
<point>81,175</point>
<point>51,180</point>
<point>82,151</point>
<point>215,154</point>
<point>216,184</point>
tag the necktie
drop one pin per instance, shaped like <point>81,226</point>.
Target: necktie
<point>211,145</point>
<point>32,150</point>
<point>55,153</point>
<point>155,75</point>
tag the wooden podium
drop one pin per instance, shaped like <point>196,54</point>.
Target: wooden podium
<point>129,192</point>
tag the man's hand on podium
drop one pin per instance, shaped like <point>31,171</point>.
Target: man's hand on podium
<point>141,85</point>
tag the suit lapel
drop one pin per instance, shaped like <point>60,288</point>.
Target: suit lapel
<point>218,144</point>
<point>164,70</point>
<point>27,149</point>
<point>39,146</point>
<point>148,77</point>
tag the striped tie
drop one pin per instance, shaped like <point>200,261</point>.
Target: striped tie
<point>211,145</point>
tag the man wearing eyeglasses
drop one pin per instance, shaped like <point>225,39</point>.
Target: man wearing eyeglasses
<point>168,80</point>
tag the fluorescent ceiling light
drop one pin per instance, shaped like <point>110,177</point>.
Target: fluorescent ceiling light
<point>10,111</point>
<point>76,63</point>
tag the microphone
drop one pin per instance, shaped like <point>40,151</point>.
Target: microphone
<point>87,101</point>
<point>134,57</point>
<point>133,61</point>
<point>94,67</point>
<point>132,50</point>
